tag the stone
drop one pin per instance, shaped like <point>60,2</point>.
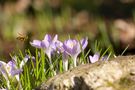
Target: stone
<point>115,74</point>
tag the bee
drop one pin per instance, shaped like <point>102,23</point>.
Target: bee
<point>22,37</point>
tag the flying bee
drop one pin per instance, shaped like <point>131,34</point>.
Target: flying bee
<point>22,37</point>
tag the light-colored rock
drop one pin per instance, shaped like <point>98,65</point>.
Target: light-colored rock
<point>115,74</point>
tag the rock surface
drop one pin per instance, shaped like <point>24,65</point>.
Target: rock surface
<point>115,74</point>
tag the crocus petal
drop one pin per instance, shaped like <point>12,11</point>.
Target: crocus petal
<point>59,46</point>
<point>36,43</point>
<point>11,64</point>
<point>45,44</point>
<point>16,72</point>
<point>68,46</point>
<point>55,38</point>
<point>95,58</point>
<point>2,63</point>
<point>84,43</point>
<point>53,44</point>
<point>12,68</point>
<point>23,62</point>
<point>78,49</point>
<point>48,38</point>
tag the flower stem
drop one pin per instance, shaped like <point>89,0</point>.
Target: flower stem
<point>65,64</point>
<point>75,61</point>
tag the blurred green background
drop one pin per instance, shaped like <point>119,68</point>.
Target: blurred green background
<point>108,22</point>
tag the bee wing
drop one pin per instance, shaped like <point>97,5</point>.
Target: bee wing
<point>20,34</point>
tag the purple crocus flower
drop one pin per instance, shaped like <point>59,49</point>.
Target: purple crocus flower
<point>36,43</point>
<point>48,44</point>
<point>74,48</point>
<point>94,58</point>
<point>24,61</point>
<point>61,50</point>
<point>105,58</point>
<point>10,69</point>
<point>84,43</point>
<point>59,47</point>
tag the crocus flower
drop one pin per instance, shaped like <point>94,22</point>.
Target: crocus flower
<point>74,48</point>
<point>60,49</point>
<point>48,44</point>
<point>10,69</point>
<point>94,58</point>
<point>105,58</point>
<point>36,43</point>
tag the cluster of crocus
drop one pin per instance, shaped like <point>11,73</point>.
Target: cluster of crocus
<point>70,47</point>
<point>11,70</point>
